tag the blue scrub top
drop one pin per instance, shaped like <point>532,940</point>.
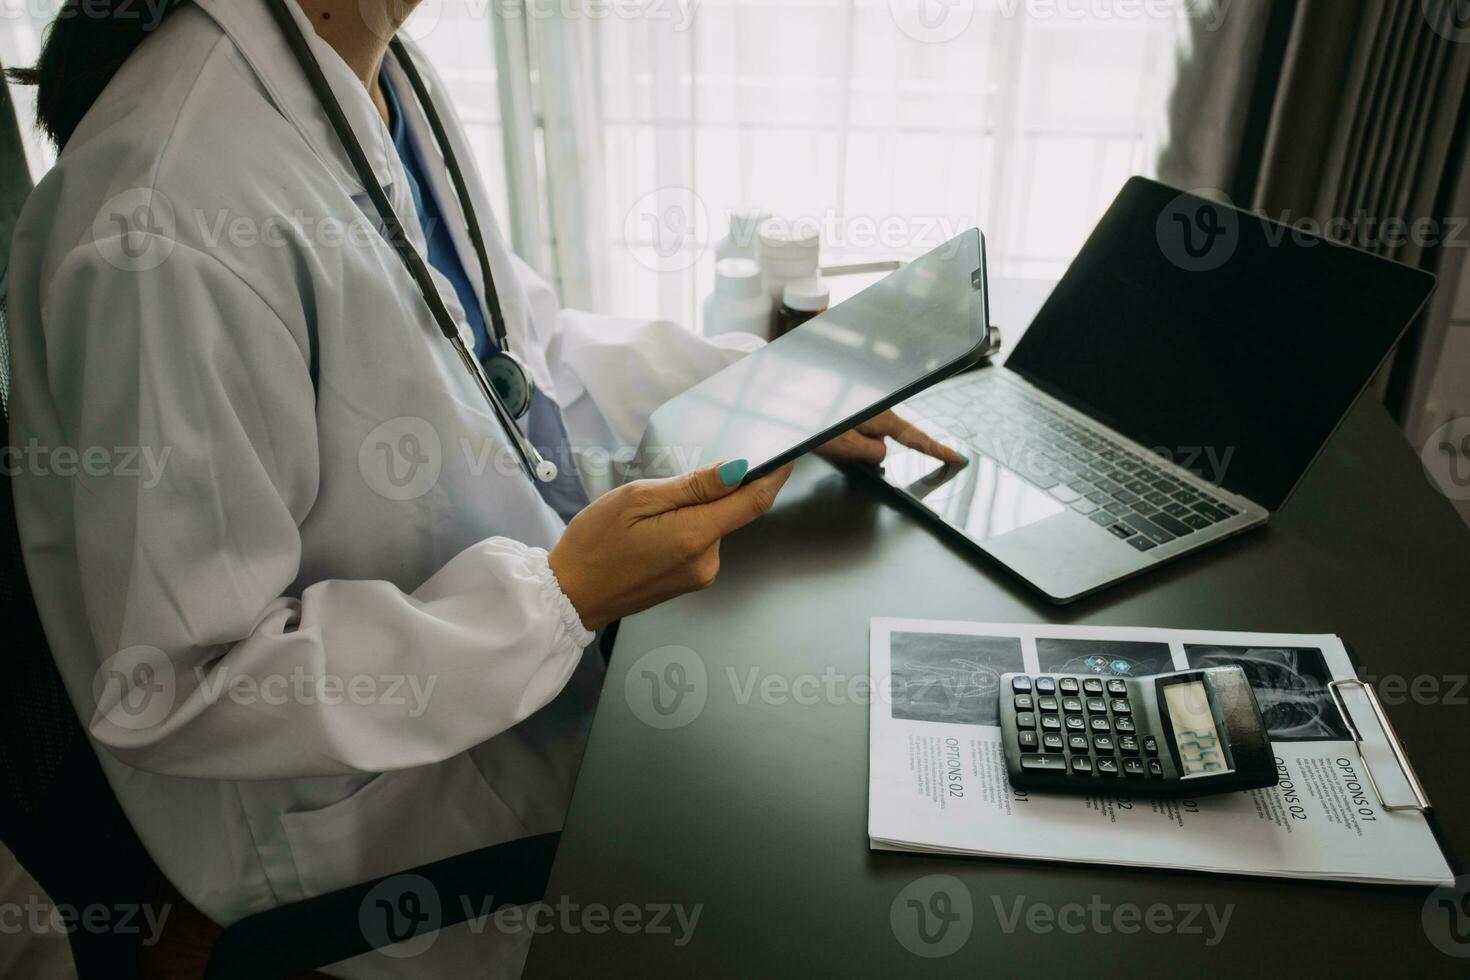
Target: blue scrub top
<point>442,254</point>
<point>544,424</point>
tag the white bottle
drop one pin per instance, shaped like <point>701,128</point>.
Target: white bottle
<point>740,242</point>
<point>786,251</point>
<point>739,302</point>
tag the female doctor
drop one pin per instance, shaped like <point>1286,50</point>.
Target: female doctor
<point>327,626</point>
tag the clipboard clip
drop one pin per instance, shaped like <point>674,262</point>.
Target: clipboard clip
<point>1421,803</point>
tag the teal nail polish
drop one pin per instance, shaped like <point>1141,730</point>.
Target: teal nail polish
<point>734,471</point>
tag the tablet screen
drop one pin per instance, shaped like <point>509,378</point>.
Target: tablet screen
<point>887,343</point>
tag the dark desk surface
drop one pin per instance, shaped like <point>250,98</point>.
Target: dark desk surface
<point>757,811</point>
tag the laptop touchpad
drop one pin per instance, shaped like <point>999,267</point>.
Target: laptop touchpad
<point>983,499</point>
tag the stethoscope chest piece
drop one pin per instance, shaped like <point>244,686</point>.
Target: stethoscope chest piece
<point>511,381</point>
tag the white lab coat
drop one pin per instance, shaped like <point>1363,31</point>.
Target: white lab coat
<point>361,563</point>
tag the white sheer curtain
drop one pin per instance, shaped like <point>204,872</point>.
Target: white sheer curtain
<point>890,124</point>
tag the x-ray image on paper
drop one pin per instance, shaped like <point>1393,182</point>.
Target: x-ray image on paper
<point>950,677</point>
<point>1290,686</point>
<point>1106,658</point>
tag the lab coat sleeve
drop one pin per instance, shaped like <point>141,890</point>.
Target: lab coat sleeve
<point>609,374</point>
<point>207,667</point>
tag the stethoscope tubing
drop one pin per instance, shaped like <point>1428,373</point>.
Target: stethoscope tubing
<point>531,460</point>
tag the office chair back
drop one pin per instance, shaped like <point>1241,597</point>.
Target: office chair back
<point>58,814</point>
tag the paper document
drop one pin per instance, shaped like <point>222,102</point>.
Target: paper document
<point>937,774</point>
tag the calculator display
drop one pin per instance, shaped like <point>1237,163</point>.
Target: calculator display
<point>1201,749</point>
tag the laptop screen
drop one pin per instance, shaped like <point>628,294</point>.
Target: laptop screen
<point>1228,344</point>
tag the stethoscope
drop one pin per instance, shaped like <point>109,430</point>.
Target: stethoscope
<point>503,380</point>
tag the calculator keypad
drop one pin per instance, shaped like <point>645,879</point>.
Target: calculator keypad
<point>1084,727</point>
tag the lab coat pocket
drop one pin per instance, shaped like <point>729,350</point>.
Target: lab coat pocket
<point>398,821</point>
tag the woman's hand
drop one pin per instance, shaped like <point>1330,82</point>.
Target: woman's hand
<point>651,540</point>
<point>863,443</point>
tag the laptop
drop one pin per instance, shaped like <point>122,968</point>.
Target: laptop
<point>1171,393</point>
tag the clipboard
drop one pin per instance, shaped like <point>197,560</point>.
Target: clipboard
<point>1422,803</point>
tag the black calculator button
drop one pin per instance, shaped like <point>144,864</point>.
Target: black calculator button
<point>1047,703</point>
<point>1051,723</point>
<point>1150,745</point>
<point>1077,743</point>
<point>1052,742</point>
<point>1099,723</point>
<point>1133,767</point>
<point>1025,702</point>
<point>1025,719</point>
<point>1050,763</point>
<point>1092,685</point>
<point>1128,743</point>
<point>1046,685</point>
<point>1020,684</point>
<point>1103,743</point>
<point>1067,685</point>
<point>1071,704</point>
<point>1081,763</point>
<point>1120,706</point>
<point>1097,706</point>
<point>1027,741</point>
<point>1116,686</point>
<point>1124,725</point>
<point>1076,723</point>
<point>1105,767</point>
<point>1155,767</point>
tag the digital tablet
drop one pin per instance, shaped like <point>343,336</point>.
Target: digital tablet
<point>902,334</point>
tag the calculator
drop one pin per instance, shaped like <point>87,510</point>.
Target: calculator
<point>1182,734</point>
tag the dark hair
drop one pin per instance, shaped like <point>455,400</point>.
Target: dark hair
<point>85,45</point>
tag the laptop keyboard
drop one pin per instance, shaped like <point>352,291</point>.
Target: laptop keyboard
<point>1116,488</point>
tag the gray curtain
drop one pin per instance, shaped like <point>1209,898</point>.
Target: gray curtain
<point>1210,107</point>
<point>1361,121</point>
